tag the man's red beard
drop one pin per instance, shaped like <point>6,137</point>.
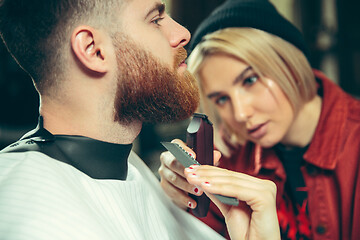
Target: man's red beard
<point>149,91</point>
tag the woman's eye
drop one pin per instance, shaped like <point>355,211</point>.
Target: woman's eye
<point>250,80</point>
<point>221,100</point>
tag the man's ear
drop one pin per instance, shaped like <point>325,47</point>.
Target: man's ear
<point>89,47</point>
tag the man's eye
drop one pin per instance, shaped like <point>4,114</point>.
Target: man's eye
<point>221,100</point>
<point>250,80</point>
<point>157,21</point>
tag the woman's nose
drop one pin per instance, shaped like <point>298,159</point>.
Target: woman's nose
<point>242,108</point>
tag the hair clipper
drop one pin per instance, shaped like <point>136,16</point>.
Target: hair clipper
<point>199,137</point>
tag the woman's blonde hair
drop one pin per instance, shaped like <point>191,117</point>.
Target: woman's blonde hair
<point>269,56</point>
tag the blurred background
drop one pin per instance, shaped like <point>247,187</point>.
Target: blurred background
<point>330,28</point>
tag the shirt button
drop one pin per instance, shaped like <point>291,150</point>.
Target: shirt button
<point>321,229</point>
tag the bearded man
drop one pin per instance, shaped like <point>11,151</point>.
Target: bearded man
<point>102,69</point>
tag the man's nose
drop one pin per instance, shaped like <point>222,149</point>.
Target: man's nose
<point>178,35</point>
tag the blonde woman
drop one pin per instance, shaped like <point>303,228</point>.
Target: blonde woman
<point>277,119</point>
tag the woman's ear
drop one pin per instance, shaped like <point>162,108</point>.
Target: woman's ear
<point>88,47</point>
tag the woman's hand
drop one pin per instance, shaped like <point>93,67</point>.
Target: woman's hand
<point>173,179</point>
<point>255,217</point>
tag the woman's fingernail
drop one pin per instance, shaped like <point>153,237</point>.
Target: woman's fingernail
<point>193,175</point>
<point>192,168</point>
<point>190,205</point>
<point>197,189</point>
<point>206,183</point>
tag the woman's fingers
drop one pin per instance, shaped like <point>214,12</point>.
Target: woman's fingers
<point>241,186</point>
<point>217,156</point>
<point>238,219</point>
<point>220,174</point>
<point>177,188</point>
<point>256,216</point>
<point>185,147</point>
<point>173,179</point>
<point>178,196</point>
<point>170,162</point>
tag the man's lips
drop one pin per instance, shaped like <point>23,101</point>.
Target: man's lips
<point>182,63</point>
<point>258,131</point>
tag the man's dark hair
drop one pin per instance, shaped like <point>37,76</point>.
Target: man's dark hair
<point>35,32</point>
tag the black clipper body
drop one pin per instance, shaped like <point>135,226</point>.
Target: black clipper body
<point>199,138</point>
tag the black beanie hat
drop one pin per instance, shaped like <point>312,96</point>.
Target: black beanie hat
<point>259,14</point>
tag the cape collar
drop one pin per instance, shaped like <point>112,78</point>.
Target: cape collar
<point>97,159</point>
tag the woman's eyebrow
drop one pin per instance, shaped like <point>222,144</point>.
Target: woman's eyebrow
<point>241,76</point>
<point>213,95</point>
<point>238,79</point>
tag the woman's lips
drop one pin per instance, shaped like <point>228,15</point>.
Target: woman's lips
<point>258,131</point>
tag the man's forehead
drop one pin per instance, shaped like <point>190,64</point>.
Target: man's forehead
<point>144,7</point>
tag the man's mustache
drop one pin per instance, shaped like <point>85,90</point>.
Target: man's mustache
<point>180,57</point>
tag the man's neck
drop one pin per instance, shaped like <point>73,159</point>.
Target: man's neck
<point>59,121</point>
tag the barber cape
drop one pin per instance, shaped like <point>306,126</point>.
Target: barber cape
<point>44,198</point>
